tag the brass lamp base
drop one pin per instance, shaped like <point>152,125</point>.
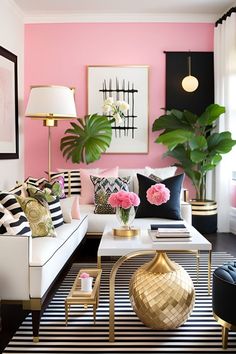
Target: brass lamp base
<point>125,232</point>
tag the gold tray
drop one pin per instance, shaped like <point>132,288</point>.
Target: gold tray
<point>122,232</point>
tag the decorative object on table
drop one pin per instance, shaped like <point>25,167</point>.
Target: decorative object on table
<point>50,104</point>
<point>162,293</point>
<point>223,298</point>
<point>191,140</point>
<point>92,135</point>
<point>9,132</point>
<point>86,282</point>
<point>168,210</point>
<point>123,83</point>
<point>124,202</point>
<point>169,233</point>
<point>77,296</point>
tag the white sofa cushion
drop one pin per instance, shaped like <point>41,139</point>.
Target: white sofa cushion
<point>50,254</point>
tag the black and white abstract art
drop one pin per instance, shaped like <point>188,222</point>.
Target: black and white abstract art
<point>123,83</point>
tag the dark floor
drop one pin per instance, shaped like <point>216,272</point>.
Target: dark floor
<point>13,315</point>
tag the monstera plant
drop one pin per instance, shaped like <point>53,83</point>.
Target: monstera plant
<point>92,135</point>
<point>88,139</point>
<point>193,142</point>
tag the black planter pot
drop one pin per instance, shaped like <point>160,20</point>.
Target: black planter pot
<point>204,215</point>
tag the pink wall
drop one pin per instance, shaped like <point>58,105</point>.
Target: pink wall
<point>59,53</point>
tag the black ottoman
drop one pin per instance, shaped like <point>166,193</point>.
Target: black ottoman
<point>223,298</point>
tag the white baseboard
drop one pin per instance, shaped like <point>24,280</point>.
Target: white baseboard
<point>233,220</point>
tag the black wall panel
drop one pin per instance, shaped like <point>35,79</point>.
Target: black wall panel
<point>177,68</point>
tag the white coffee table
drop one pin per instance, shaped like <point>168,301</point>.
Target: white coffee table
<point>142,244</point>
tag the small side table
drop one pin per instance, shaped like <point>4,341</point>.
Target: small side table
<point>78,297</point>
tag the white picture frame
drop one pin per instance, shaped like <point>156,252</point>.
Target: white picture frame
<point>130,84</point>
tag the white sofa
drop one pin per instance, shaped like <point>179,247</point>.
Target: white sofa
<point>29,266</point>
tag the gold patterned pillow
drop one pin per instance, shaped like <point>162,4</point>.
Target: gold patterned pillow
<point>39,217</point>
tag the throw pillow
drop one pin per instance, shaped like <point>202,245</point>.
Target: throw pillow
<point>87,189</point>
<point>50,201</point>
<point>39,217</point>
<point>70,208</point>
<point>19,189</point>
<point>56,185</point>
<point>10,225</point>
<point>103,188</point>
<point>161,172</point>
<point>169,210</point>
<point>35,181</point>
<point>72,182</point>
<point>10,202</point>
<point>155,178</point>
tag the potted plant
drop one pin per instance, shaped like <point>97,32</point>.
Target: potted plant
<point>198,148</point>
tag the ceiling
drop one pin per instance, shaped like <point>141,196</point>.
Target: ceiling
<point>213,8</point>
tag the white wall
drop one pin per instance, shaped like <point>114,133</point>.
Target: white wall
<point>12,38</point>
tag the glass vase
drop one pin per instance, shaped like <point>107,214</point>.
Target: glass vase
<point>125,216</point>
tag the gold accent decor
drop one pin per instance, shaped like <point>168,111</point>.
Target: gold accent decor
<point>162,293</point>
<point>226,326</point>
<point>35,339</point>
<point>126,232</point>
<point>78,297</point>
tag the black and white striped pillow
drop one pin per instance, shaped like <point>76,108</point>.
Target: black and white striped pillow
<point>35,181</point>
<point>16,224</point>
<point>56,212</point>
<point>9,201</point>
<point>72,181</point>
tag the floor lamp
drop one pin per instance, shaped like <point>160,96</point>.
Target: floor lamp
<point>50,104</point>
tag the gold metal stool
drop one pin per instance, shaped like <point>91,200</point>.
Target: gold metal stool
<point>78,297</point>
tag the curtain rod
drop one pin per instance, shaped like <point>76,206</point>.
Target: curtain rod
<point>224,17</point>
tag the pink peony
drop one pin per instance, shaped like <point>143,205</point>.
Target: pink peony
<point>158,194</point>
<point>84,275</point>
<point>123,199</point>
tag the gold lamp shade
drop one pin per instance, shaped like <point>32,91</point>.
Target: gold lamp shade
<point>162,293</point>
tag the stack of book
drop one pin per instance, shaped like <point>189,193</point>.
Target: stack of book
<point>169,233</point>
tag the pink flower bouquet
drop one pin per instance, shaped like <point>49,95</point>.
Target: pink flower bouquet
<point>123,199</point>
<point>124,202</point>
<point>158,194</point>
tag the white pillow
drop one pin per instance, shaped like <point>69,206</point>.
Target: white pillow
<point>161,172</point>
<point>70,208</point>
<point>66,208</point>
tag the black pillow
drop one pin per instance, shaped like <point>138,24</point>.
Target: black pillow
<point>168,210</point>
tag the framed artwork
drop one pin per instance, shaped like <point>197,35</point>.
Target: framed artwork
<point>129,84</point>
<point>9,139</point>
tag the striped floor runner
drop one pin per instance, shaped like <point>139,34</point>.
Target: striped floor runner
<point>200,334</point>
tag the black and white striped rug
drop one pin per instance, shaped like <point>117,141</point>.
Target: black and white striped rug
<point>200,334</point>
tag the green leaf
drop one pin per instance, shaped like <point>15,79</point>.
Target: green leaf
<point>211,113</point>
<point>198,142</point>
<point>173,138</point>
<point>170,122</point>
<point>220,142</point>
<point>197,156</point>
<point>89,138</point>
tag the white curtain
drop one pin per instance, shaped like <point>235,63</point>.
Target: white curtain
<point>225,95</point>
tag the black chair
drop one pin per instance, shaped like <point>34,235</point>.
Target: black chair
<point>224,298</point>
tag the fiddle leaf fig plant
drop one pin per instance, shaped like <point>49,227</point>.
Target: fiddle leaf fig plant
<point>193,142</point>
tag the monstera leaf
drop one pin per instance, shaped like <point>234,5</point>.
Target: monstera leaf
<point>88,139</point>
